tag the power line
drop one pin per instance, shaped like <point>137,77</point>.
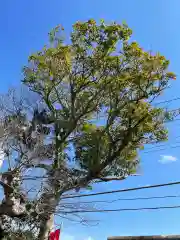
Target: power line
<point>123,190</point>
<point>167,101</point>
<point>120,209</point>
<point>161,149</point>
<point>130,199</point>
<point>157,145</point>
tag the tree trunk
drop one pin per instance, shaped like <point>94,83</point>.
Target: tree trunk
<point>51,201</point>
<point>46,227</point>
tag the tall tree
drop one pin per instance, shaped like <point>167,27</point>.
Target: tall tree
<point>97,93</point>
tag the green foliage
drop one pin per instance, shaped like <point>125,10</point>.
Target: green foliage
<point>101,78</point>
<point>89,187</point>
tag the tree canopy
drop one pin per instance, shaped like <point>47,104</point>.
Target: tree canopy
<point>97,94</point>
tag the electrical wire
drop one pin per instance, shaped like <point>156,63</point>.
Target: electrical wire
<point>161,149</point>
<point>157,145</point>
<point>121,209</point>
<point>129,199</point>
<point>122,190</point>
<point>167,101</point>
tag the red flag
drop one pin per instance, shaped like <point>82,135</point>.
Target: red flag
<point>54,235</point>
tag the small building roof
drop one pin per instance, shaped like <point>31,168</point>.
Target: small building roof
<point>172,237</point>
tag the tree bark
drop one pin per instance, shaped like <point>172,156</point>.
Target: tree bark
<point>46,227</point>
<point>50,203</point>
<point>50,199</point>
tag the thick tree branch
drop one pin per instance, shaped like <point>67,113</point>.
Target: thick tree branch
<point>109,179</point>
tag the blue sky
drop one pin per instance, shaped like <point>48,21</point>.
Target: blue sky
<point>24,26</point>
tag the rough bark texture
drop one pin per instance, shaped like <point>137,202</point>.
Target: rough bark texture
<point>49,203</point>
<point>46,227</point>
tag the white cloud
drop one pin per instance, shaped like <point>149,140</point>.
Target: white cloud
<point>167,159</point>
